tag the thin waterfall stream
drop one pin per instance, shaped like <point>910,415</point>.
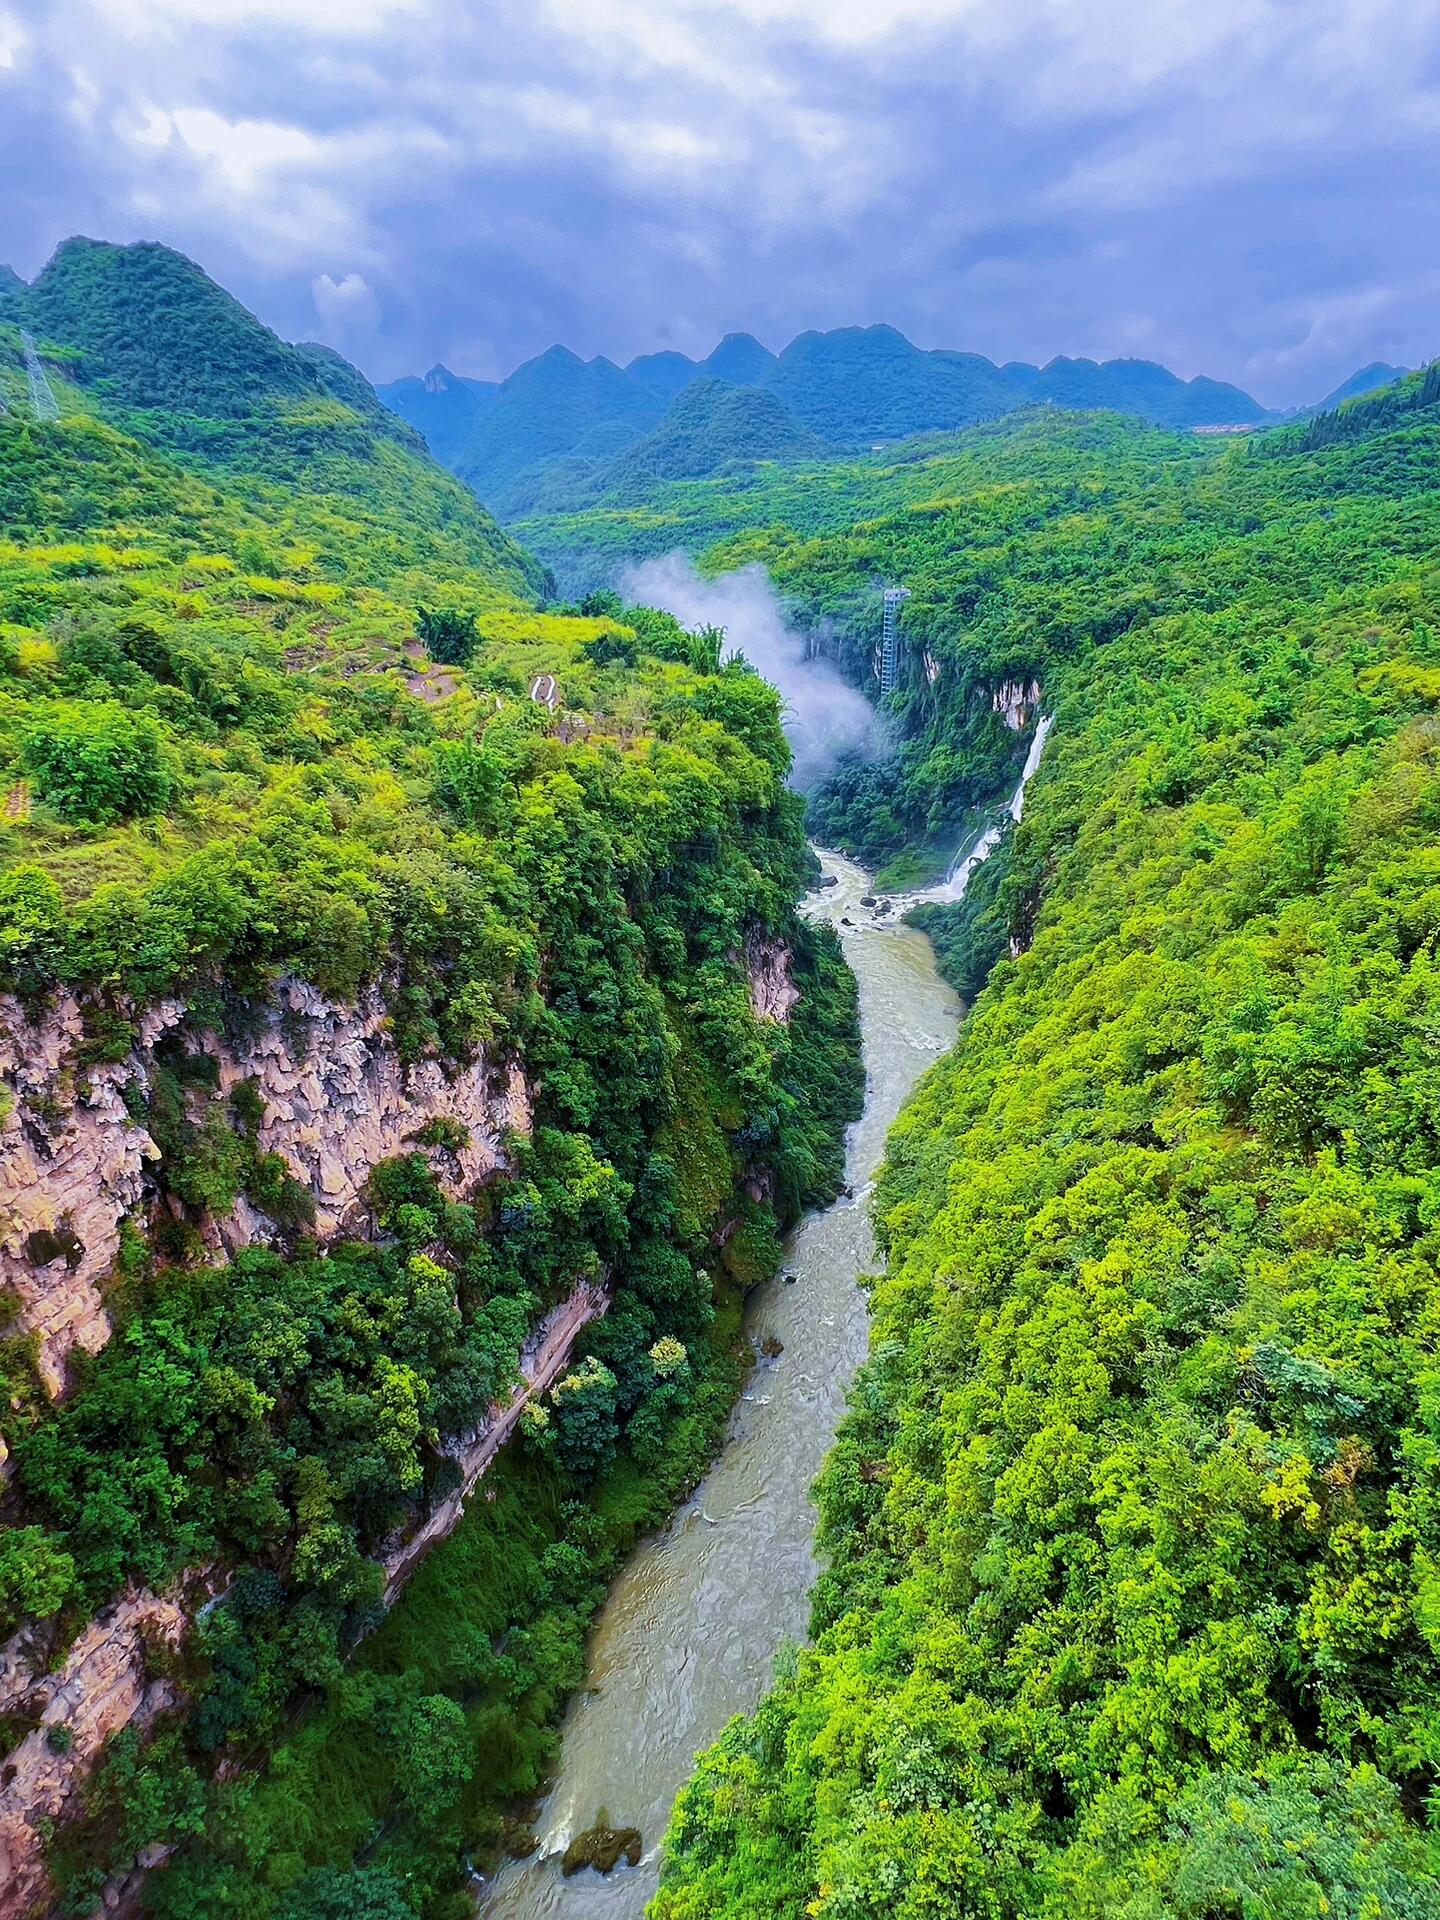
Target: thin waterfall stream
<point>690,1629</point>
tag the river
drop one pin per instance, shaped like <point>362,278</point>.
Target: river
<point>689,1632</point>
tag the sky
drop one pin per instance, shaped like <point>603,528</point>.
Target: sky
<point>1245,188</point>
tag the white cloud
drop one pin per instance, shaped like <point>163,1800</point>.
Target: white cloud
<point>243,152</point>
<point>341,18</point>
<point>13,39</point>
<point>345,307</point>
<point>1017,176</point>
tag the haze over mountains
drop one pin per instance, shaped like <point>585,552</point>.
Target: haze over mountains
<point>553,434</point>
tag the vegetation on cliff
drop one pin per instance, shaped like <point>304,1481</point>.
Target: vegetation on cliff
<point>1132,1530</point>
<point>227,755</point>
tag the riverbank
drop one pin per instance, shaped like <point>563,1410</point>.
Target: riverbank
<point>690,1630</point>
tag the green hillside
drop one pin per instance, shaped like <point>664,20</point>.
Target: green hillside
<point>1131,1534</point>
<point>553,405</point>
<point>1366,379</point>
<point>709,427</point>
<point>265,714</point>
<point>155,331</point>
<point>145,341</point>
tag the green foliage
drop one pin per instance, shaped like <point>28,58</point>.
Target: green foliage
<point>32,939</point>
<point>1130,1534</point>
<point>449,636</point>
<point>37,1576</point>
<point>364,1893</point>
<point>91,760</point>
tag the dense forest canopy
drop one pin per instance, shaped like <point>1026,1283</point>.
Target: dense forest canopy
<point>1131,1532</point>
<point>267,728</point>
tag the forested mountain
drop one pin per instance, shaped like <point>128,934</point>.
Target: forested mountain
<point>10,281</point>
<point>556,404</point>
<point>442,407</point>
<point>560,419</point>
<point>709,428</point>
<point>389,1098</point>
<point>1131,1534</point>
<point>154,331</point>
<point>1379,373</point>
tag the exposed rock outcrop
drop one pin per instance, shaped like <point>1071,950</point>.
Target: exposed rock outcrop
<point>1017,702</point>
<point>107,1682</point>
<point>773,992</point>
<point>337,1100</point>
<point>72,1166</point>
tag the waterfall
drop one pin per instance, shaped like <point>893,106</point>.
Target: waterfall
<point>975,853</point>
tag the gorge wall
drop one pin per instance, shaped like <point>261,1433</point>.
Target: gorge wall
<point>76,1162</point>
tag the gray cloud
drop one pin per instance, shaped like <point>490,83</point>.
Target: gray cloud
<point>1239,187</point>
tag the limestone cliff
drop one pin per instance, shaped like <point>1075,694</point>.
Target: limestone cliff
<point>773,992</point>
<point>337,1100</point>
<point>110,1679</point>
<point>1017,702</point>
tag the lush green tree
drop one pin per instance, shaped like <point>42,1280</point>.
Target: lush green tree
<point>449,636</point>
<point>94,761</point>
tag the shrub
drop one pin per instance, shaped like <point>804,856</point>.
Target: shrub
<point>93,762</point>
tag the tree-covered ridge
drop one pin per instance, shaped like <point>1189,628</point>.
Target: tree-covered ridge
<point>542,441</point>
<point>266,711</point>
<point>152,330</point>
<point>141,338</point>
<point>1132,1530</point>
<point>709,425</point>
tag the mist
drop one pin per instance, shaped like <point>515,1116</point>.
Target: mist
<point>825,718</point>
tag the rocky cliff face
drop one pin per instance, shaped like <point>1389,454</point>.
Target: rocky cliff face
<point>1017,702</point>
<point>772,990</point>
<point>75,1163</point>
<point>72,1167</point>
<point>109,1680</point>
<point>338,1101</point>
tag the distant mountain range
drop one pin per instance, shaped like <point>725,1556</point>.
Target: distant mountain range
<point>562,430</point>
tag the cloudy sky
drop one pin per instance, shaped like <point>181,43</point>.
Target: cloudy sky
<point>1247,188</point>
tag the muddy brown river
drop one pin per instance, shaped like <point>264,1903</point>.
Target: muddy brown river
<point>691,1627</point>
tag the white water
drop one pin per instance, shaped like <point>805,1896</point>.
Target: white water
<point>974,853</point>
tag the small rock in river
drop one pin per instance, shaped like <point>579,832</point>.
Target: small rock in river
<point>601,1847</point>
<point>771,1347</point>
